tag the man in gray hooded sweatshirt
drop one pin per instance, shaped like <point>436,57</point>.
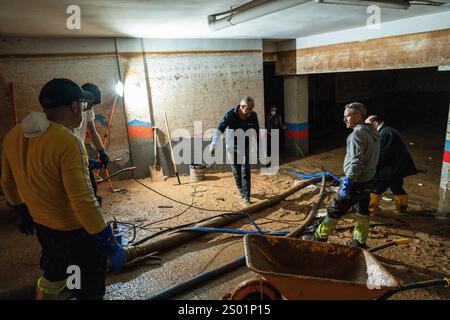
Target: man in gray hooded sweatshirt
<point>360,164</point>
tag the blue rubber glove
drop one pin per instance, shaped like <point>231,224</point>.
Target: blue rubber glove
<point>24,221</point>
<point>346,185</point>
<point>104,158</point>
<point>114,251</point>
<point>93,164</point>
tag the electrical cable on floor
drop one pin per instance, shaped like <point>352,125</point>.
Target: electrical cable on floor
<point>164,196</point>
<point>179,214</point>
<point>179,202</point>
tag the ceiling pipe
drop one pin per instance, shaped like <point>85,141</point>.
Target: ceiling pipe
<point>392,4</point>
<point>249,11</point>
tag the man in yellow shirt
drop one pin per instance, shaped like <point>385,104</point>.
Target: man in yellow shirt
<point>45,178</point>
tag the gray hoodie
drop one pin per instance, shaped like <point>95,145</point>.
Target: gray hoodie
<point>363,149</point>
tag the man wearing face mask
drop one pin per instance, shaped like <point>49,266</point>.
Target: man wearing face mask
<point>360,164</point>
<point>88,125</point>
<point>274,121</point>
<point>240,117</point>
<point>45,178</point>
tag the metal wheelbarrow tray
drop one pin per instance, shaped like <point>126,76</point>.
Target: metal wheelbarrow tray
<point>309,270</point>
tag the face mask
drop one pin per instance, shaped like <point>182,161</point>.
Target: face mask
<point>80,115</point>
<point>273,112</point>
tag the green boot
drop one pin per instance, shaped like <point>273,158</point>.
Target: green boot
<point>326,228</point>
<point>361,231</point>
<point>48,290</point>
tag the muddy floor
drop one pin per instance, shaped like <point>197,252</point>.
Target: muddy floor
<point>427,256</point>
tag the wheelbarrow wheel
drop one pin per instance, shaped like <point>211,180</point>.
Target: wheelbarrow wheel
<point>255,289</point>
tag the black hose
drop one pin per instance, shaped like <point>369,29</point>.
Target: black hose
<point>202,277</point>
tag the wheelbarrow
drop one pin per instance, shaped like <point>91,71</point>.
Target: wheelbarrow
<point>306,270</point>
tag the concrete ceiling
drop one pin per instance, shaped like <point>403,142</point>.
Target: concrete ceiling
<point>184,19</point>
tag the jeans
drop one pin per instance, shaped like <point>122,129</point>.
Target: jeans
<point>242,175</point>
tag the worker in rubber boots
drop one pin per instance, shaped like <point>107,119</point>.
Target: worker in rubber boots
<point>361,158</point>
<point>240,117</point>
<point>45,178</point>
<point>88,125</point>
<point>394,165</point>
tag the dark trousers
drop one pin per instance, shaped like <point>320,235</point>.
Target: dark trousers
<point>60,249</point>
<point>94,185</point>
<point>93,181</point>
<point>395,184</point>
<point>358,198</point>
<point>242,175</point>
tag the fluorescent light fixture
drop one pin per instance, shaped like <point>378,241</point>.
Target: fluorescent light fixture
<point>392,4</point>
<point>119,88</point>
<point>249,11</point>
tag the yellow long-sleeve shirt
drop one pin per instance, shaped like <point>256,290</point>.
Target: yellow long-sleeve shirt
<point>50,174</point>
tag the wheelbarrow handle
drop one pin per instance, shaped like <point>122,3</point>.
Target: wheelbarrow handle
<point>441,282</point>
<point>390,244</point>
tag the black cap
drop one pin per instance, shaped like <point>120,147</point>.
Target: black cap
<point>62,92</point>
<point>92,88</point>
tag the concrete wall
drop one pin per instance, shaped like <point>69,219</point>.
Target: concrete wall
<point>30,63</point>
<point>190,80</point>
<point>192,85</point>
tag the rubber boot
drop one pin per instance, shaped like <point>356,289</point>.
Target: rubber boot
<point>325,229</point>
<point>48,290</point>
<point>401,203</point>
<point>374,203</point>
<point>361,231</point>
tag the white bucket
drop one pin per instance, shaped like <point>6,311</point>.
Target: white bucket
<point>197,172</point>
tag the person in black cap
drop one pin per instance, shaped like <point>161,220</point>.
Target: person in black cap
<point>45,178</point>
<point>88,125</point>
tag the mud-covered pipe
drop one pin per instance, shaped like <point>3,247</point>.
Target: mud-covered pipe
<point>181,237</point>
<point>239,262</point>
<point>311,213</point>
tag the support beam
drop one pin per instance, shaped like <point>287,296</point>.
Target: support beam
<point>296,114</point>
<point>419,50</point>
<point>444,191</point>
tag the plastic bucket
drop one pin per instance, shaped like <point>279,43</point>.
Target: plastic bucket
<point>197,172</point>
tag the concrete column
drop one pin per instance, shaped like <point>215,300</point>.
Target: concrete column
<point>444,194</point>
<point>296,114</point>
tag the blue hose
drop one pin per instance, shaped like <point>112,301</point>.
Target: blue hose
<point>315,175</point>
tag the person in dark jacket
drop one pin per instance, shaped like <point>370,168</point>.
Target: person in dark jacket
<point>394,165</point>
<point>274,121</point>
<point>240,117</point>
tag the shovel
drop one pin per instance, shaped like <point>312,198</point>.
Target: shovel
<point>155,170</point>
